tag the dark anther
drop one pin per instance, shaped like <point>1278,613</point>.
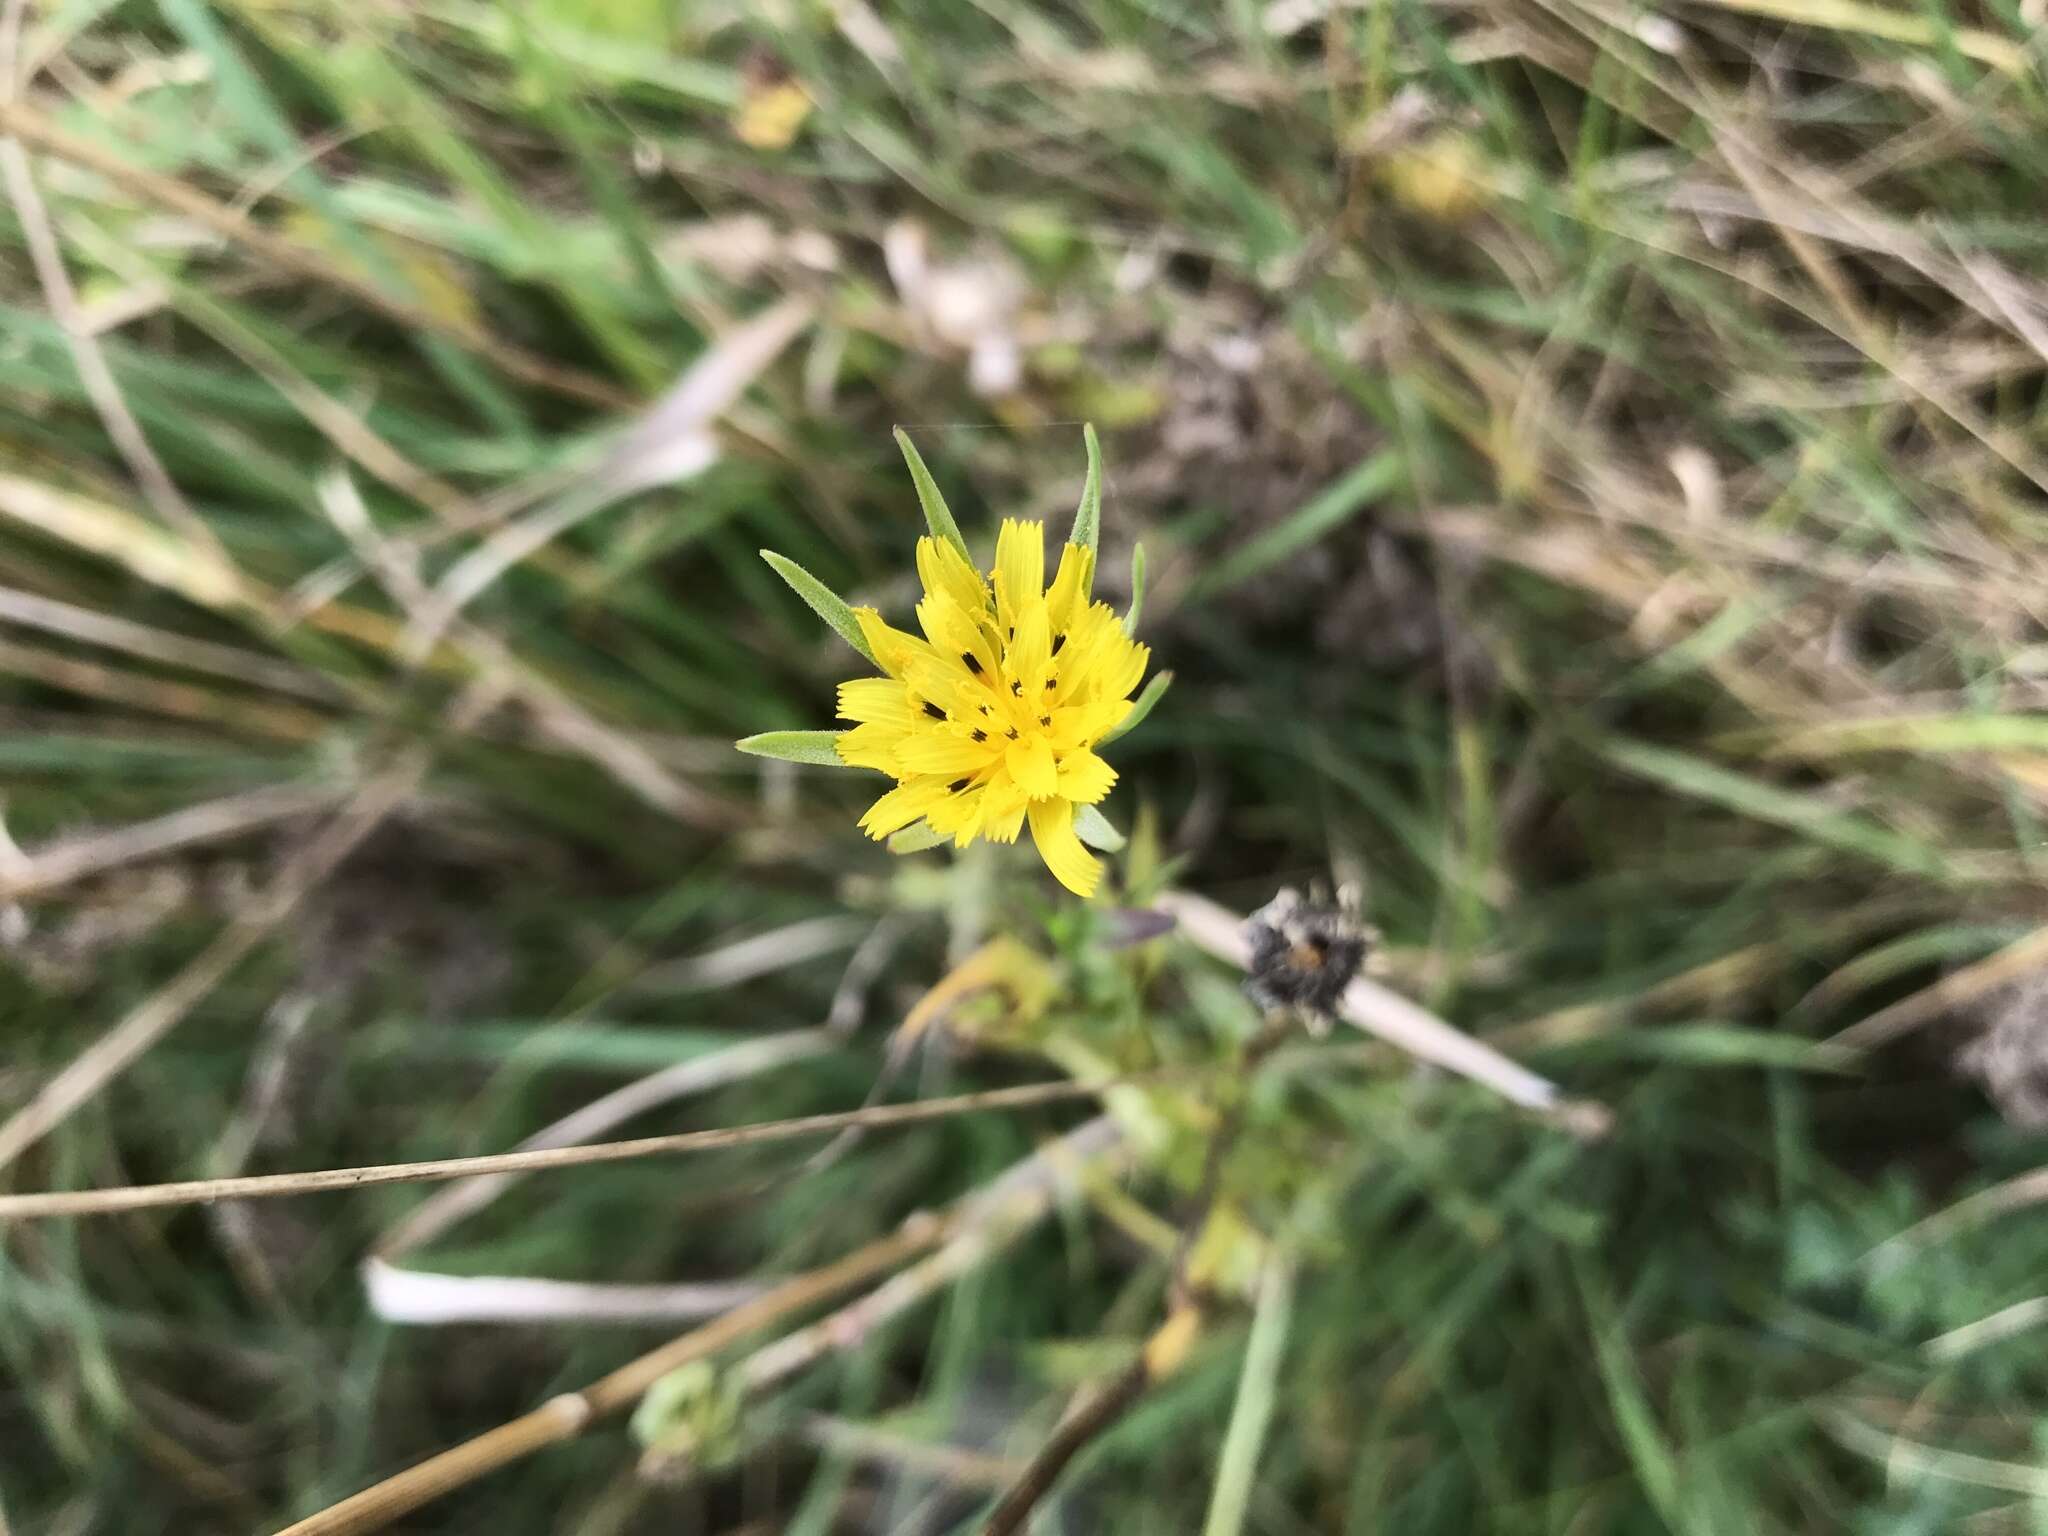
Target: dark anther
<point>1013,733</point>
<point>1045,719</point>
<point>1305,953</point>
<point>957,785</point>
<point>973,665</point>
<point>980,735</point>
<point>1016,690</point>
<point>1052,682</point>
<point>1058,641</point>
<point>933,710</point>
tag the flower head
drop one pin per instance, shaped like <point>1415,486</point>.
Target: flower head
<point>990,720</point>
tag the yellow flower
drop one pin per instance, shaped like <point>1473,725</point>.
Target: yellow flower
<point>990,720</point>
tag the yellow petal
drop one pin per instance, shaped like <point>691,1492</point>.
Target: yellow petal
<point>1031,765</point>
<point>942,568</point>
<point>1002,813</point>
<point>937,752</point>
<point>1052,828</point>
<point>1029,657</point>
<point>960,816</point>
<point>901,806</point>
<point>1069,594</point>
<point>1085,777</point>
<point>1020,568</point>
<point>880,699</point>
<point>873,745</point>
<point>955,636</point>
<point>1082,725</point>
<point>893,649</point>
<point>1091,636</point>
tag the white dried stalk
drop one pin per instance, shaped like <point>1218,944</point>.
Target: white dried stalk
<point>1402,1024</point>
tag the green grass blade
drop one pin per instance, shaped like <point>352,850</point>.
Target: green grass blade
<point>1258,1388</point>
<point>1813,818</point>
<point>1343,498</point>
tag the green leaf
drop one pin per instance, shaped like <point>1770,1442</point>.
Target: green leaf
<point>819,747</point>
<point>936,514</point>
<point>1258,1388</point>
<point>1154,691</point>
<point>915,838</point>
<point>1093,828</point>
<point>1809,815</point>
<point>1137,589</point>
<point>1088,516</point>
<point>824,602</point>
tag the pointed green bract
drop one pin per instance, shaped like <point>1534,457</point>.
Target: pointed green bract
<point>1137,589</point>
<point>1093,828</point>
<point>818,747</point>
<point>1154,691</point>
<point>936,514</point>
<point>915,838</point>
<point>1088,516</point>
<point>824,602</point>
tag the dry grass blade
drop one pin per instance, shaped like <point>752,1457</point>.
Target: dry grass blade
<point>123,430</point>
<point>158,1014</point>
<point>672,442</point>
<point>558,716</point>
<point>1402,1024</point>
<point>34,611</point>
<point>1952,991</point>
<point>161,1012</point>
<point>977,1226</point>
<point>34,129</point>
<point>159,696</point>
<point>564,1417</point>
<point>94,1202</point>
<point>77,858</point>
<point>1891,24</point>
<point>988,1221</point>
<point>736,1063</point>
<point>421,1299</point>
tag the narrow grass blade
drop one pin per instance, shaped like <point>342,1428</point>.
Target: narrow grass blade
<point>1257,1389</point>
<point>1320,514</point>
<point>1815,818</point>
<point>938,517</point>
<point>1635,1422</point>
<point>816,747</point>
<point>824,602</point>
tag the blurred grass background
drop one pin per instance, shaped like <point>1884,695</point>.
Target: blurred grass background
<point>1591,463</point>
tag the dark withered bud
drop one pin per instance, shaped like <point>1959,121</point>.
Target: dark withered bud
<point>1305,952</point>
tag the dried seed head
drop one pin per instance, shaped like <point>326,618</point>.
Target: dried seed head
<point>1304,953</point>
